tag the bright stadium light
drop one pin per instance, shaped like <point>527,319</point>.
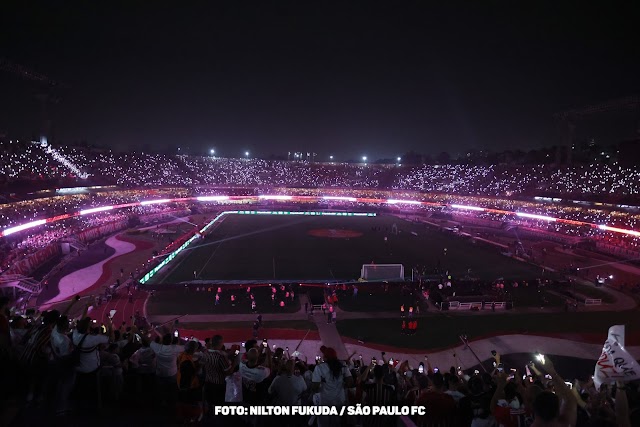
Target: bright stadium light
<point>154,202</point>
<point>330,157</point>
<point>342,198</point>
<point>364,158</point>
<point>275,197</point>
<point>94,210</point>
<point>399,159</point>
<point>406,202</point>
<point>26,226</point>
<point>212,151</point>
<point>470,208</point>
<point>246,154</point>
<point>619,230</point>
<point>534,216</point>
<point>212,198</point>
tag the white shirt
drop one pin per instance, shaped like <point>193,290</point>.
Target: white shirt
<point>90,351</point>
<point>166,358</point>
<point>61,344</point>
<point>144,360</point>
<point>332,389</point>
<point>287,389</point>
<point>256,374</point>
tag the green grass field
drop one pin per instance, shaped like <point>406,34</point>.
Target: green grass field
<point>593,292</point>
<point>177,301</point>
<point>283,324</point>
<point>437,331</point>
<point>371,302</point>
<point>272,248</point>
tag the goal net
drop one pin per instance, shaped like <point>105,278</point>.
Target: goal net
<point>382,272</point>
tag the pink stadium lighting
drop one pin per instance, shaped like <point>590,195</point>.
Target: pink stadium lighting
<point>346,199</point>
<point>155,202</point>
<point>94,210</point>
<point>406,202</point>
<point>534,216</point>
<point>619,230</point>
<point>26,226</point>
<point>275,197</point>
<point>212,198</point>
<point>469,208</point>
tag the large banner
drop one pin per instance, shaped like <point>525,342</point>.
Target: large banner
<point>617,250</point>
<point>30,263</point>
<point>615,363</point>
<point>102,230</point>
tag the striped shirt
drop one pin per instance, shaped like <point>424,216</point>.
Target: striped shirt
<point>215,363</point>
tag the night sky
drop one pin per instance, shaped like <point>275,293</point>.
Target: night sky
<point>345,78</point>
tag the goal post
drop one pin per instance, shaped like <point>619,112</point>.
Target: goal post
<point>382,272</point>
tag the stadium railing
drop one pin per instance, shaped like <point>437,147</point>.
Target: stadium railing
<point>457,305</point>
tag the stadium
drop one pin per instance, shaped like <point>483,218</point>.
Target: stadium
<point>209,257</point>
<point>333,213</point>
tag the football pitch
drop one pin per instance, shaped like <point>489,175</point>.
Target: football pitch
<point>306,248</point>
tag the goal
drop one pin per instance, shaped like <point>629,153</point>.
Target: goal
<point>382,272</point>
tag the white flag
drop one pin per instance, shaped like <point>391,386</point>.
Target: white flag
<point>615,364</point>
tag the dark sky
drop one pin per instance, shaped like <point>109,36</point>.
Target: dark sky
<point>345,78</point>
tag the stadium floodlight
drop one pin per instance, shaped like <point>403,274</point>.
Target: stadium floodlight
<point>94,210</point>
<point>275,197</point>
<point>154,202</point>
<point>330,157</point>
<point>534,216</point>
<point>346,199</point>
<point>211,198</point>
<point>399,159</point>
<point>364,158</point>
<point>405,202</point>
<point>212,151</point>
<point>246,154</point>
<point>469,208</point>
<point>26,226</point>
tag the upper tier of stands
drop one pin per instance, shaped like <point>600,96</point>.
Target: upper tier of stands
<point>20,162</point>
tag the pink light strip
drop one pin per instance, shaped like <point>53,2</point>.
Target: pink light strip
<point>275,197</point>
<point>154,202</point>
<point>346,199</point>
<point>619,230</point>
<point>534,216</point>
<point>22,227</point>
<point>212,198</point>
<point>12,230</point>
<point>405,202</point>
<point>468,208</point>
<point>94,210</point>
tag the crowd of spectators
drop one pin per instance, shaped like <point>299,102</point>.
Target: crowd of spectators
<point>599,181</point>
<point>178,176</point>
<point>64,368</point>
<point>21,245</point>
<point>28,161</point>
